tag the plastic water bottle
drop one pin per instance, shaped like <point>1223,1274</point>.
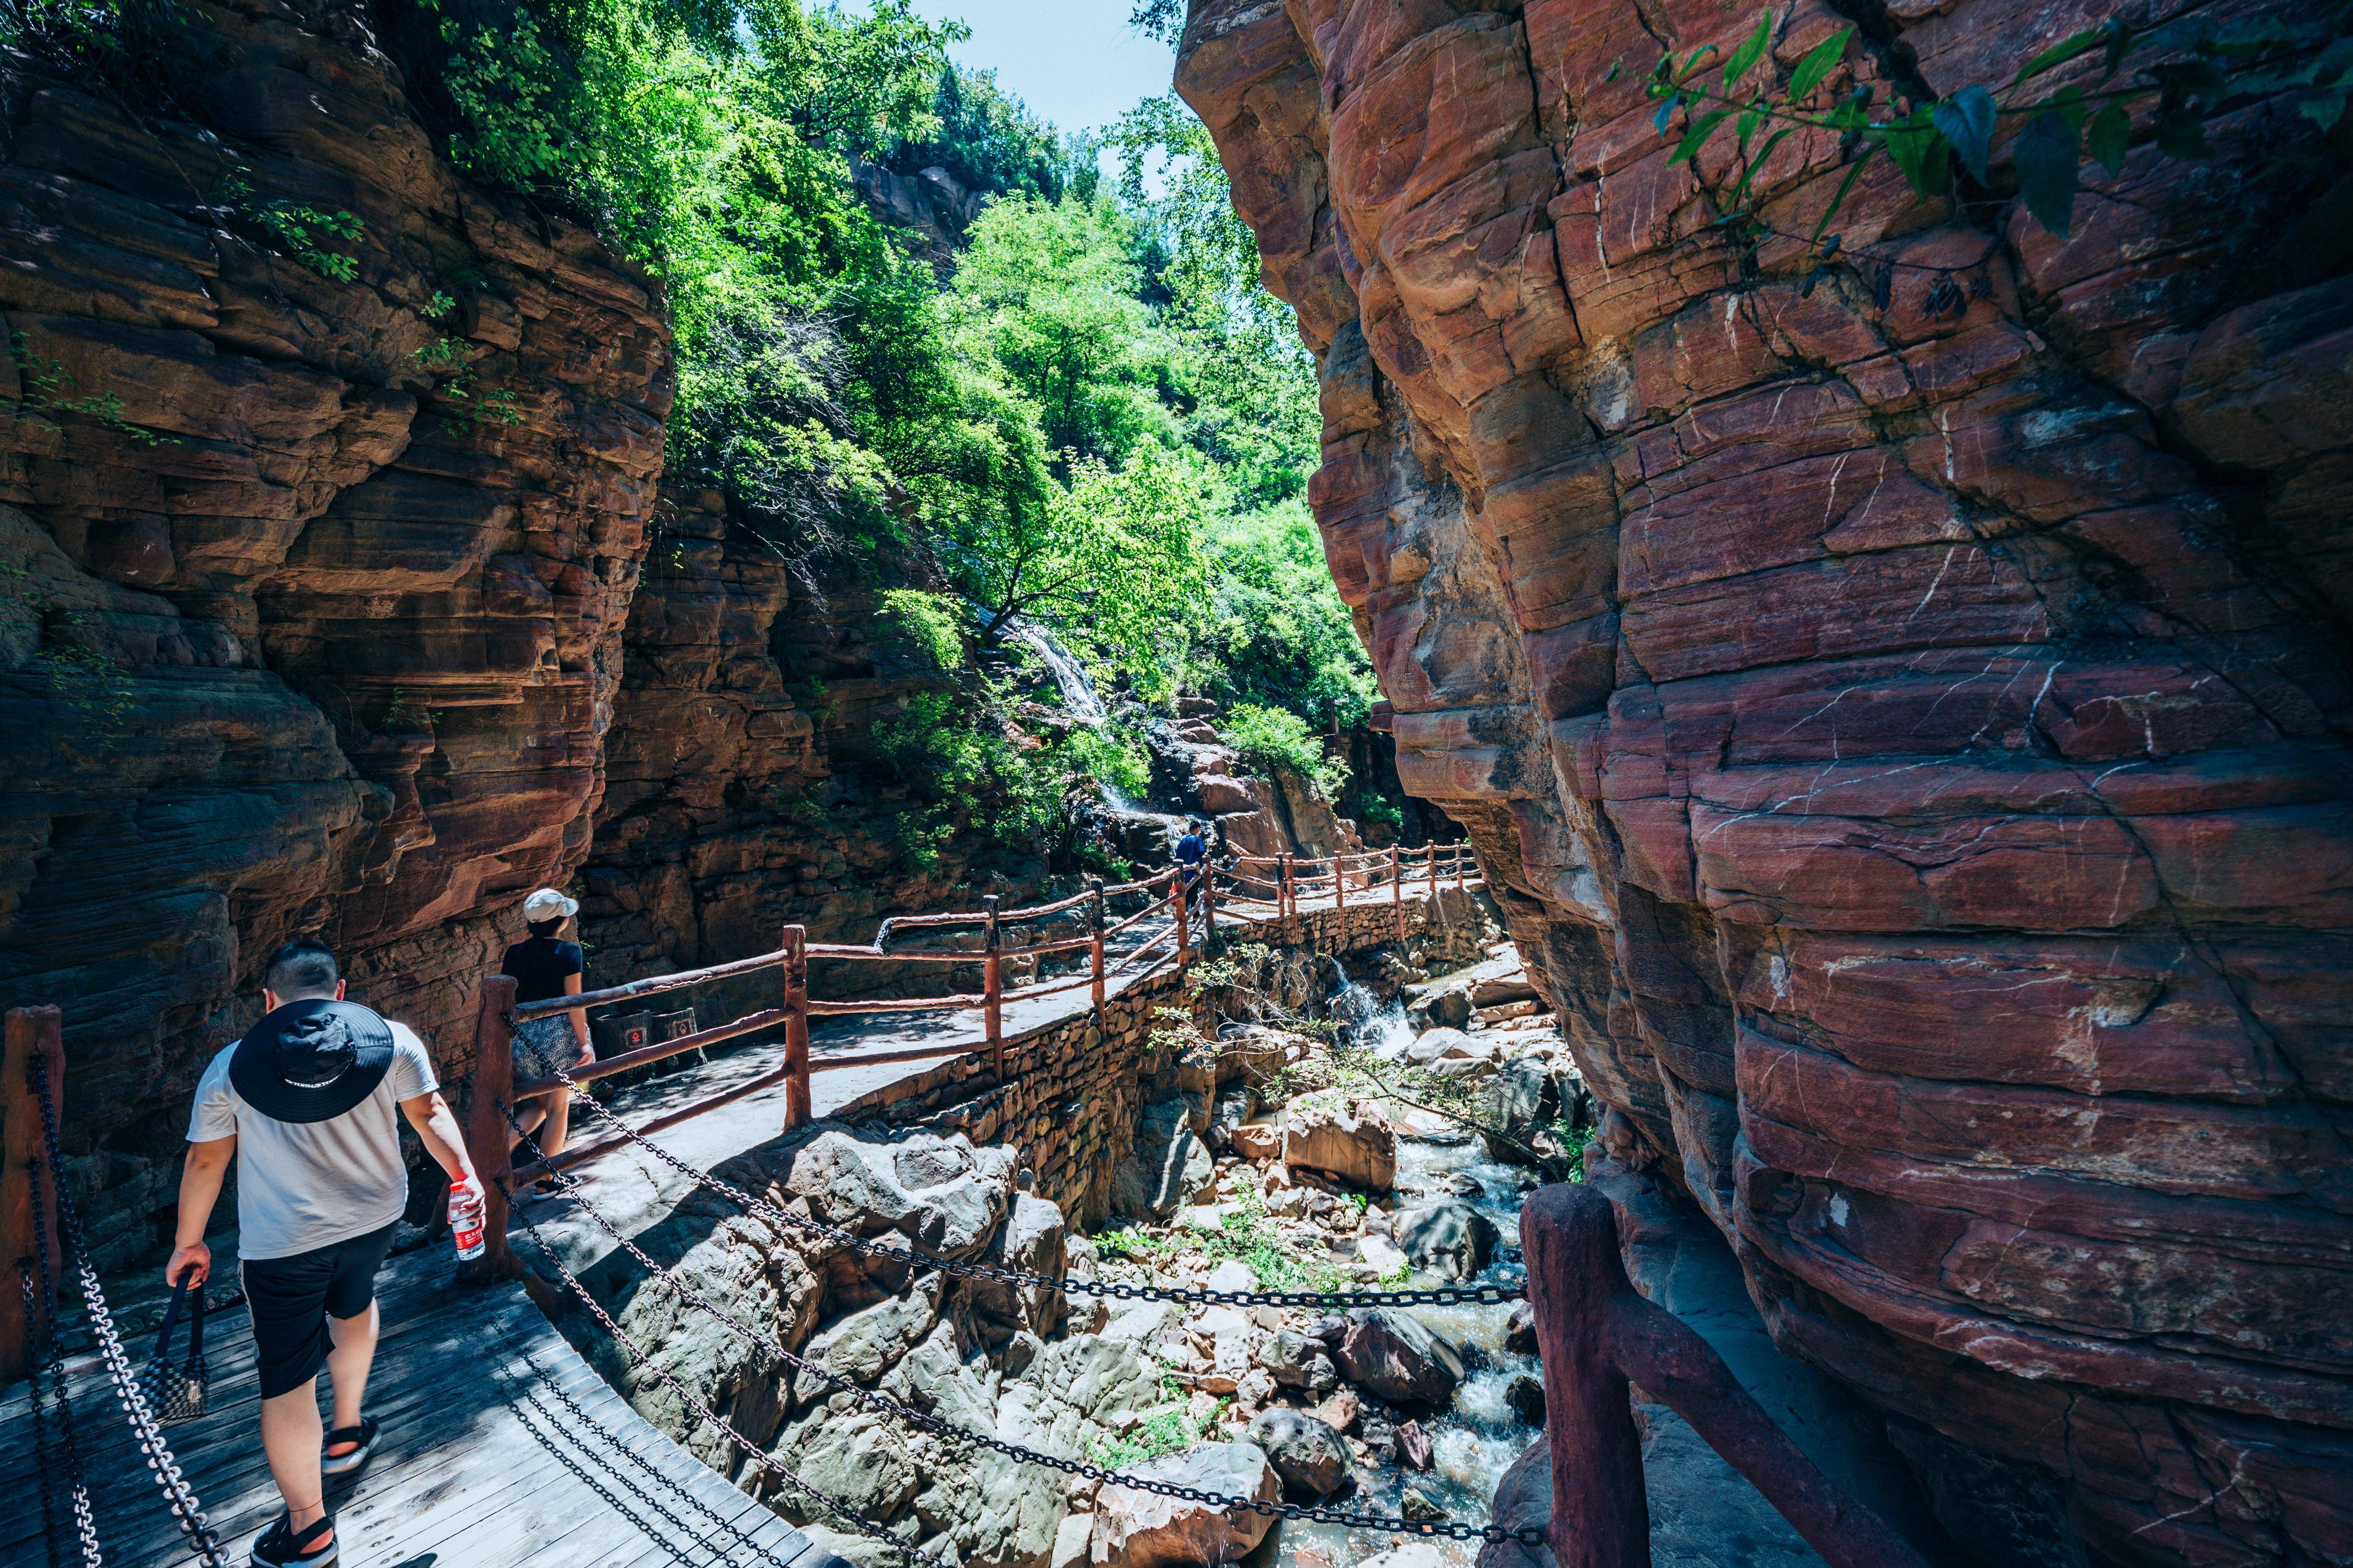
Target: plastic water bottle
<point>465,1219</point>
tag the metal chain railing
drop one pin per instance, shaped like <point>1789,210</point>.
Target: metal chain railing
<point>638,1358</point>
<point>668,1278</point>
<point>538,1383</point>
<point>58,1456</point>
<point>54,1454</point>
<point>177,1493</point>
<point>1442,1296</point>
<point>581,1419</point>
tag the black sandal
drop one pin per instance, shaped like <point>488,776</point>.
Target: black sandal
<point>283,1546</point>
<point>364,1434</point>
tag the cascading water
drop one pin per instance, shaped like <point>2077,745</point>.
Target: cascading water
<point>1080,699</point>
<point>1369,1023</point>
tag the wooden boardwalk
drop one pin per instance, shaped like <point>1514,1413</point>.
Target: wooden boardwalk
<point>480,1462</point>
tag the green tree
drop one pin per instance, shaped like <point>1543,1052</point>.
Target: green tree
<point>1047,295</point>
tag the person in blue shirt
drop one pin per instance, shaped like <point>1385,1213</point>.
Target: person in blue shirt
<point>1192,852</point>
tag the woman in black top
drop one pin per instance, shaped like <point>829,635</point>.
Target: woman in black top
<point>544,966</point>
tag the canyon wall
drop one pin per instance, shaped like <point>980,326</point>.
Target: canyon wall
<point>1898,703</point>
<point>297,639</point>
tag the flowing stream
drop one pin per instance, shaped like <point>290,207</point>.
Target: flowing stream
<point>1474,1440</point>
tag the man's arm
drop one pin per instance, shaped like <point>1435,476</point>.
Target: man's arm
<point>437,1125</point>
<point>200,1183</point>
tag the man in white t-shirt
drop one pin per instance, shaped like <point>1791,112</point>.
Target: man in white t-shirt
<point>309,1104</point>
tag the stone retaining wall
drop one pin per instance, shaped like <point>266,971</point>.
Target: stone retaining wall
<point>1074,1088</point>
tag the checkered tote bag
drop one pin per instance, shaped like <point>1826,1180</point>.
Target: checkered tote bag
<point>177,1392</point>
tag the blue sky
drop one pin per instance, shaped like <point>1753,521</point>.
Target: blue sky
<point>1074,62</point>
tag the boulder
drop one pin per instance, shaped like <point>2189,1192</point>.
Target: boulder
<point>1337,1138</point>
<point>1438,1045</point>
<point>1520,1330</point>
<point>944,1193</point>
<point>864,1345</point>
<point>1309,1456</point>
<point>1451,1240</point>
<point>1390,1354</point>
<point>1524,1397</point>
<point>1169,1166</point>
<point>1144,1529</point>
<point>1256,1140</point>
<point>862,1457</point>
<point>1518,1100</point>
<point>1031,1238</point>
<point>1291,1357</point>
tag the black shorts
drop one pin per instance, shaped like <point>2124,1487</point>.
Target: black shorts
<point>292,1298</point>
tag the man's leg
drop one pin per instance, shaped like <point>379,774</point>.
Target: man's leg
<point>347,1369</point>
<point>290,1437</point>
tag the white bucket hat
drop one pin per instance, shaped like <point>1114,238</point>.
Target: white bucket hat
<point>547,904</point>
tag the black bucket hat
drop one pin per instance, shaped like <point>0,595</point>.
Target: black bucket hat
<point>311,1060</point>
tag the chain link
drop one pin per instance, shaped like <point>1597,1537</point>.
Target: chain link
<point>930,1422</point>
<point>758,1456</point>
<point>45,1356</point>
<point>538,1384</point>
<point>583,1419</point>
<point>177,1493</point>
<point>1444,1296</point>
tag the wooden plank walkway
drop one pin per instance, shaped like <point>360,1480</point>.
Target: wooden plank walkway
<point>480,1462</point>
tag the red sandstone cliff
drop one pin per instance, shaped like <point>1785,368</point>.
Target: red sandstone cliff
<point>291,643</point>
<point>1908,742</point>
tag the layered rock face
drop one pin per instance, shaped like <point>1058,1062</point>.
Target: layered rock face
<point>1899,713</point>
<point>296,639</point>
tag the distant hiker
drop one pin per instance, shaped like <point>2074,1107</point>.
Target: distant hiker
<point>309,1105</point>
<point>544,966</point>
<point>1191,853</point>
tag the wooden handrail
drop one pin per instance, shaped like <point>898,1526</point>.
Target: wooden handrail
<point>1596,1333</point>
<point>494,1082</point>
<point>660,1051</point>
<point>35,1051</point>
<point>652,985</point>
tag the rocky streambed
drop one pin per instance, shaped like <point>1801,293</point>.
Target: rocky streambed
<point>1267,1170</point>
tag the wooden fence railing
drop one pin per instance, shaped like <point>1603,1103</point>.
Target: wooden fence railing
<point>1191,904</point>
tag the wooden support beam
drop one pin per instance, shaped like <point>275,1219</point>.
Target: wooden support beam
<point>1397,896</point>
<point>799,1104</point>
<point>28,1229</point>
<point>487,1136</point>
<point>1596,1333</point>
<point>1095,948</point>
<point>993,989</point>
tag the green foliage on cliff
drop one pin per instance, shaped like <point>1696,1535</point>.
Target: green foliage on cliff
<point>1100,422</point>
<point>1278,738</point>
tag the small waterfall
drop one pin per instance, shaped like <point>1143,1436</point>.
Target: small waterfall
<point>1080,700</point>
<point>1368,1022</point>
<point>1078,692</point>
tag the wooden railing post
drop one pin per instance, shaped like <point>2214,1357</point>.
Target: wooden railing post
<point>1182,899</point>
<point>1209,905</point>
<point>1429,869</point>
<point>798,1105</point>
<point>29,1231</point>
<point>1601,1510</point>
<point>1095,948</point>
<point>1397,898</point>
<point>993,988</point>
<point>1285,899</point>
<point>487,1132</point>
<point>1596,1334</point>
<point>1459,857</point>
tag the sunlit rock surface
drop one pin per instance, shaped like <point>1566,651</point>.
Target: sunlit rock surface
<point>295,639</point>
<point>1902,731</point>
